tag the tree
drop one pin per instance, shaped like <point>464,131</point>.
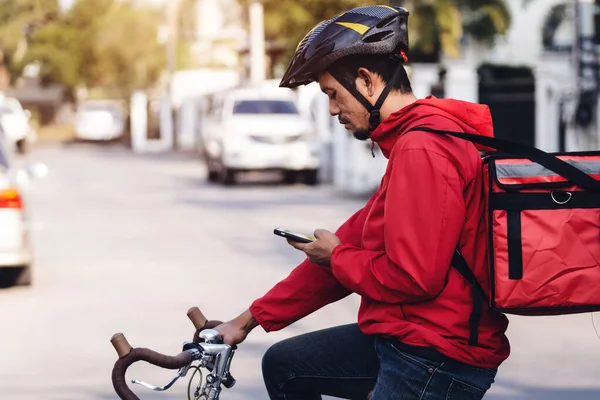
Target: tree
<point>454,20</point>
<point>128,55</point>
<point>18,18</point>
<point>109,44</point>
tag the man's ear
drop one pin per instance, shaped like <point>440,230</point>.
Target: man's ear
<point>367,79</point>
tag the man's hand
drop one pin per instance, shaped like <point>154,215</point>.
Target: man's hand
<point>320,250</point>
<point>211,324</point>
<point>235,331</point>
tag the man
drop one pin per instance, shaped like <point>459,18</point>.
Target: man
<point>414,338</point>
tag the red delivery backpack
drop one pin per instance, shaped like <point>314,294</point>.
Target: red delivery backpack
<point>543,226</point>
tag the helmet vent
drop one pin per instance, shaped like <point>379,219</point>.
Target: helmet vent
<point>377,37</point>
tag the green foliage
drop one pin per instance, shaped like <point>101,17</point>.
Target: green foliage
<point>96,43</point>
<point>17,19</point>
<point>439,25</point>
<point>434,25</point>
<point>127,53</point>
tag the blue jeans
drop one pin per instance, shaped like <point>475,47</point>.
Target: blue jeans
<point>343,362</point>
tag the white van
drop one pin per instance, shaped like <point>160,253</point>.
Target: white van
<point>100,120</point>
<point>259,129</point>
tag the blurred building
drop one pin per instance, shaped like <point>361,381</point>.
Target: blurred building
<point>537,26</point>
<point>223,40</point>
<point>220,34</point>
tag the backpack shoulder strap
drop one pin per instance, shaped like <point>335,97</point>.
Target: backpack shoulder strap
<point>460,264</point>
<point>536,155</point>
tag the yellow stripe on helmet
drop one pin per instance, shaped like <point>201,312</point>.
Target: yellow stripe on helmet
<point>360,28</point>
<point>392,8</point>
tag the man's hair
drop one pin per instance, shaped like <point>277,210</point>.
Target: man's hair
<point>382,65</point>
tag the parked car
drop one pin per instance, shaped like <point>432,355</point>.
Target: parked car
<point>259,129</point>
<point>16,253</point>
<point>15,122</point>
<point>100,120</point>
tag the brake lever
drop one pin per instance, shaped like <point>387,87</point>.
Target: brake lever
<point>180,374</point>
<point>156,388</point>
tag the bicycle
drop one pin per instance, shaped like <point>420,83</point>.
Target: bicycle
<point>207,348</point>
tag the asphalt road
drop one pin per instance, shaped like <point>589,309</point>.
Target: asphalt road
<point>127,243</point>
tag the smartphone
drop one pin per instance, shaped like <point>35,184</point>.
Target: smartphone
<point>296,237</point>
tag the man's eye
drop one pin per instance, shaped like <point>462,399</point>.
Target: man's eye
<point>333,95</point>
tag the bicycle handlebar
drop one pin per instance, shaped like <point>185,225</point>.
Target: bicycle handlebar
<point>214,356</point>
<point>128,357</point>
<point>197,318</point>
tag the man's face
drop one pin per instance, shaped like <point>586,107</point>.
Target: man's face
<point>350,112</point>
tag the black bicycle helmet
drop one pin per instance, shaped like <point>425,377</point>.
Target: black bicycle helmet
<point>362,30</point>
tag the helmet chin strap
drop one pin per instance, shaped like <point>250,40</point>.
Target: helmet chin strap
<point>374,114</point>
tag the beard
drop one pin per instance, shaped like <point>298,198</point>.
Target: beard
<point>361,134</point>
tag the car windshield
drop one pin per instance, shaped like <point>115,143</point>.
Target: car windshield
<point>5,110</point>
<point>91,107</point>
<point>264,107</point>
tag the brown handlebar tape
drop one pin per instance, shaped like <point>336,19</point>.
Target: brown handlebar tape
<point>120,344</point>
<point>197,318</point>
<point>150,356</point>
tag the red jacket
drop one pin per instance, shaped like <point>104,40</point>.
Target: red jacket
<point>396,251</point>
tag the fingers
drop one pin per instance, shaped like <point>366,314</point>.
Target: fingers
<point>322,233</point>
<point>231,343</point>
<point>212,324</point>
<point>297,245</point>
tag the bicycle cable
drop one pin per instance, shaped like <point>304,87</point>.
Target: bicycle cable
<point>196,395</point>
<point>594,325</point>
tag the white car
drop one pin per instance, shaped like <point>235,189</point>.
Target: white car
<point>16,255</point>
<point>100,120</point>
<point>15,122</point>
<point>259,129</point>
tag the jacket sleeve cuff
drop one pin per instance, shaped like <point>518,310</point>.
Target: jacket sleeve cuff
<point>260,316</point>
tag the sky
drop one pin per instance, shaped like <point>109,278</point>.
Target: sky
<point>65,3</point>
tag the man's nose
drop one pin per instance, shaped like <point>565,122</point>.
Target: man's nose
<point>333,108</point>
